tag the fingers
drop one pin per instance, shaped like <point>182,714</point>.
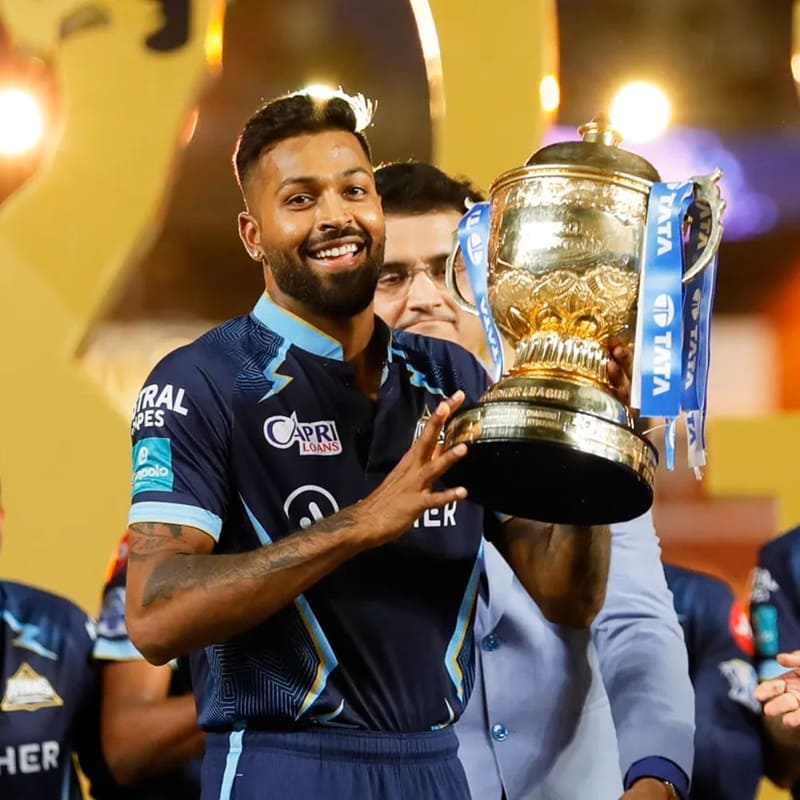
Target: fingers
<point>783,704</point>
<point>767,690</point>
<point>789,660</point>
<point>443,498</point>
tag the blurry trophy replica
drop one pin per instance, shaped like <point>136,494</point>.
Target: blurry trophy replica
<point>582,249</point>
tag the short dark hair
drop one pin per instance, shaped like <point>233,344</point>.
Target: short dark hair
<point>288,116</point>
<point>414,187</point>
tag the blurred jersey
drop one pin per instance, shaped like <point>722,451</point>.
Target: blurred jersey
<point>50,696</point>
<point>113,644</point>
<point>775,605</point>
<point>728,760</point>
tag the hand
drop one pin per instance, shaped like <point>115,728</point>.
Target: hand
<point>406,491</point>
<point>648,789</point>
<point>620,370</point>
<point>781,696</point>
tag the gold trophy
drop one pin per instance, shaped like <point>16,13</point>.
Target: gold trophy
<point>550,440</point>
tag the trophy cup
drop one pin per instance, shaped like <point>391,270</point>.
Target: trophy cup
<point>566,240</point>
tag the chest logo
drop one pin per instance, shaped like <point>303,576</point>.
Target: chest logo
<point>27,690</point>
<point>422,422</point>
<point>318,438</point>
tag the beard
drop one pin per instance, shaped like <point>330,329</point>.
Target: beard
<point>336,294</point>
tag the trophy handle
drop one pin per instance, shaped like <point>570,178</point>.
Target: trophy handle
<point>707,191</point>
<point>450,280</point>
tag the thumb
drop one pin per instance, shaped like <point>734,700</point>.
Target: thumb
<point>789,659</point>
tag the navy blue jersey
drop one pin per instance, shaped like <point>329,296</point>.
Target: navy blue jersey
<point>775,602</point>
<point>775,605</point>
<point>727,763</point>
<point>50,695</point>
<point>256,431</point>
<point>113,644</point>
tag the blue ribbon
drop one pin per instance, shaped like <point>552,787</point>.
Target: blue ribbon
<point>672,335</point>
<point>698,300</point>
<point>473,236</point>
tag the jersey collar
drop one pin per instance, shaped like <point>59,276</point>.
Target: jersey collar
<point>305,336</point>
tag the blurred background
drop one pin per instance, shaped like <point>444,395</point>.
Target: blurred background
<point>118,206</point>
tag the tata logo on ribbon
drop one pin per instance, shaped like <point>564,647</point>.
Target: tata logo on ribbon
<point>663,310</point>
<point>318,438</point>
<point>663,314</point>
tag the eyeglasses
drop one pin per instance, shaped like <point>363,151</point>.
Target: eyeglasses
<point>396,279</point>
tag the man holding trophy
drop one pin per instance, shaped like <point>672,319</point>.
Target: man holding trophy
<point>559,734</point>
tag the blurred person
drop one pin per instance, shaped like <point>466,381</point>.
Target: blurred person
<point>728,758</point>
<point>555,711</point>
<point>775,616</point>
<point>288,526</point>
<point>149,731</point>
<point>50,709</point>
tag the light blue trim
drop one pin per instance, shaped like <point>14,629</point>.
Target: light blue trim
<point>235,747</point>
<point>66,780</point>
<point>417,378</point>
<point>176,514</point>
<point>26,636</point>
<point>462,624</point>
<point>767,670</point>
<point>116,650</point>
<point>295,330</point>
<point>328,660</point>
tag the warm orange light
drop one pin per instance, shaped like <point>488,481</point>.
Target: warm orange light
<point>21,121</point>
<point>214,36</point>
<point>640,111</point>
<point>549,93</point>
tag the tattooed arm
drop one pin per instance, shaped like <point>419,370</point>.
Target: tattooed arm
<point>563,567</point>
<point>180,596</point>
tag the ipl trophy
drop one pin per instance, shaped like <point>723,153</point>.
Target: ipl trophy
<point>568,238</point>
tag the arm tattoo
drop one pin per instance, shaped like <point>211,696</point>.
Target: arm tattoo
<point>152,539</point>
<point>187,571</point>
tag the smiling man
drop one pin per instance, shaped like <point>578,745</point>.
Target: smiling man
<point>287,517</point>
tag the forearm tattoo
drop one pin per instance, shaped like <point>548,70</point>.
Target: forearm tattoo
<point>188,570</point>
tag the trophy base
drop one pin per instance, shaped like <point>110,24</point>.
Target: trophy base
<point>552,464</point>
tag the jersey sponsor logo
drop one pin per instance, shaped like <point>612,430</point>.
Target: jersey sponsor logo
<point>740,629</point>
<point>318,438</point>
<point>742,680</point>
<point>27,690</point>
<point>154,402</point>
<point>762,585</point>
<point>765,625</point>
<point>152,465</point>
<point>309,504</point>
<point>444,517</point>
<point>111,624</point>
<point>29,758</point>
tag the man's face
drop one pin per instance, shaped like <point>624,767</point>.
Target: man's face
<point>315,215</point>
<point>411,293</point>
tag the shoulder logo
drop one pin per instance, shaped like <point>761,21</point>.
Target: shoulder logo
<point>27,690</point>
<point>762,585</point>
<point>318,438</point>
<point>152,465</point>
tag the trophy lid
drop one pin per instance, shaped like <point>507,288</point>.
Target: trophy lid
<point>598,149</point>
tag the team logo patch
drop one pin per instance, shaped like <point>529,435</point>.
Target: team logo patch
<point>27,690</point>
<point>318,438</point>
<point>742,681</point>
<point>422,422</point>
<point>762,585</point>
<point>152,465</point>
<point>740,629</point>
